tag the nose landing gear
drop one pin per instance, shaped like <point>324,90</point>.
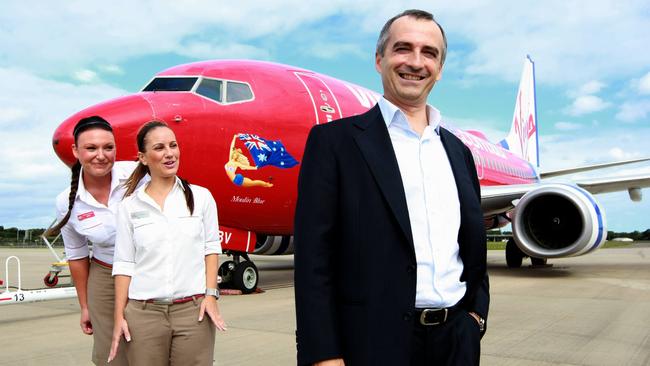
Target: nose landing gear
<point>238,274</point>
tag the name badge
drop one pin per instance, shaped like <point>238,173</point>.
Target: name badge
<point>86,215</point>
<point>139,214</point>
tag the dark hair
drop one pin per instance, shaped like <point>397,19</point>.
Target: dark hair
<point>141,170</point>
<point>417,14</point>
<point>84,124</point>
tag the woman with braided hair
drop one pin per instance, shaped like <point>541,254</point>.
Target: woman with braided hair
<point>86,214</point>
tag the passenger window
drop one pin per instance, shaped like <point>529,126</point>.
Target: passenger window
<point>237,92</point>
<point>211,88</point>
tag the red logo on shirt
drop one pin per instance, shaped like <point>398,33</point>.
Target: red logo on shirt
<point>86,215</point>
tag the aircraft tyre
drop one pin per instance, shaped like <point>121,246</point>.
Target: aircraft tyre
<point>245,277</point>
<point>538,261</point>
<point>225,272</point>
<point>514,255</point>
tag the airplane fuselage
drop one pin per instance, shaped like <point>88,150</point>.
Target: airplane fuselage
<point>229,116</point>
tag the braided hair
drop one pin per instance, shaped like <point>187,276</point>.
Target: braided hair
<point>83,125</point>
<point>141,170</point>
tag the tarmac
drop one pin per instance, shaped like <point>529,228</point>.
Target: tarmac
<point>590,310</point>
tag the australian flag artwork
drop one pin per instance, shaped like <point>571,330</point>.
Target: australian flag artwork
<point>267,152</point>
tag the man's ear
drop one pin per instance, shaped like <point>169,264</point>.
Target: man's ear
<point>377,62</point>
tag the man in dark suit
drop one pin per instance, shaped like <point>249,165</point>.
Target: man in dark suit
<point>390,248</point>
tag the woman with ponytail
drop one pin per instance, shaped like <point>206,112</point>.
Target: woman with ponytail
<point>165,264</point>
<point>86,214</point>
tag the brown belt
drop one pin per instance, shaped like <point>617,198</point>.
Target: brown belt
<point>101,263</point>
<point>170,301</point>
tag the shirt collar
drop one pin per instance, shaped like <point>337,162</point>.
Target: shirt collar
<point>118,177</point>
<point>143,196</point>
<point>391,113</point>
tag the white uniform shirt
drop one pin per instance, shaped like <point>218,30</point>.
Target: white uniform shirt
<point>163,251</point>
<point>91,221</point>
<point>434,209</point>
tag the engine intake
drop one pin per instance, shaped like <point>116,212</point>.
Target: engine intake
<point>558,220</point>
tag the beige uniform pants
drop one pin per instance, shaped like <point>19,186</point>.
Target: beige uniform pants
<point>169,334</point>
<point>101,302</point>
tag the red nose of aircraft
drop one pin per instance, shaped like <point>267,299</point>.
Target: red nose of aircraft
<point>125,114</point>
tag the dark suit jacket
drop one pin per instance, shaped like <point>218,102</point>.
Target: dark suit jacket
<point>355,266</point>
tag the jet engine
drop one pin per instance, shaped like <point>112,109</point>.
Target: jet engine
<point>273,245</point>
<point>558,220</point>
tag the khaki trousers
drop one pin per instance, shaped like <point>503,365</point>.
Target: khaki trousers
<point>169,334</point>
<point>101,302</point>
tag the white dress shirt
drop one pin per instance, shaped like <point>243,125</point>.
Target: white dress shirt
<point>91,221</point>
<point>163,250</point>
<point>434,209</point>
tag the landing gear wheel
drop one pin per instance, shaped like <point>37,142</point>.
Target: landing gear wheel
<point>51,279</point>
<point>245,277</point>
<point>514,255</point>
<point>538,261</point>
<point>225,272</point>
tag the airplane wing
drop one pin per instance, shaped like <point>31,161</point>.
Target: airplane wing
<point>606,185</point>
<point>499,199</point>
<point>557,173</point>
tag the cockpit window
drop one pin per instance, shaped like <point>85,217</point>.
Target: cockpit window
<point>211,88</point>
<point>237,92</point>
<point>170,84</point>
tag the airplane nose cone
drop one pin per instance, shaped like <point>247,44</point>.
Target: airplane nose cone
<point>125,114</point>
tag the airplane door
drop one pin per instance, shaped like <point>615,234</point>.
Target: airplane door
<point>326,106</point>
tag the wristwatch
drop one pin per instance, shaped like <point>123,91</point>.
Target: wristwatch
<point>481,321</point>
<point>212,292</point>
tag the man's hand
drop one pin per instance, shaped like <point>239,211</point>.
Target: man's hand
<point>209,305</point>
<point>84,322</point>
<point>476,317</point>
<point>332,362</point>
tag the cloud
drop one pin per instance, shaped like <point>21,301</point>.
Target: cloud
<point>190,28</point>
<point>644,84</point>
<point>205,50</point>
<point>11,115</point>
<point>618,153</point>
<point>111,69</point>
<point>591,87</point>
<point>567,126</point>
<point>32,174</point>
<point>633,111</point>
<point>86,76</point>
<point>332,50</point>
<point>564,38</point>
<point>586,104</point>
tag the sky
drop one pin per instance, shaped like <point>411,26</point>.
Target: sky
<point>592,64</point>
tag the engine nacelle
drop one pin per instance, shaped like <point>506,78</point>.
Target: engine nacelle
<point>558,220</point>
<point>273,245</point>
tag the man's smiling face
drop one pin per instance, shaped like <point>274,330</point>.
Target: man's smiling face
<point>411,63</point>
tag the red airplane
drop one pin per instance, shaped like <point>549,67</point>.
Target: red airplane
<point>242,126</point>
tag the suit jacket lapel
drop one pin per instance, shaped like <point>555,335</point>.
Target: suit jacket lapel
<point>377,149</point>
